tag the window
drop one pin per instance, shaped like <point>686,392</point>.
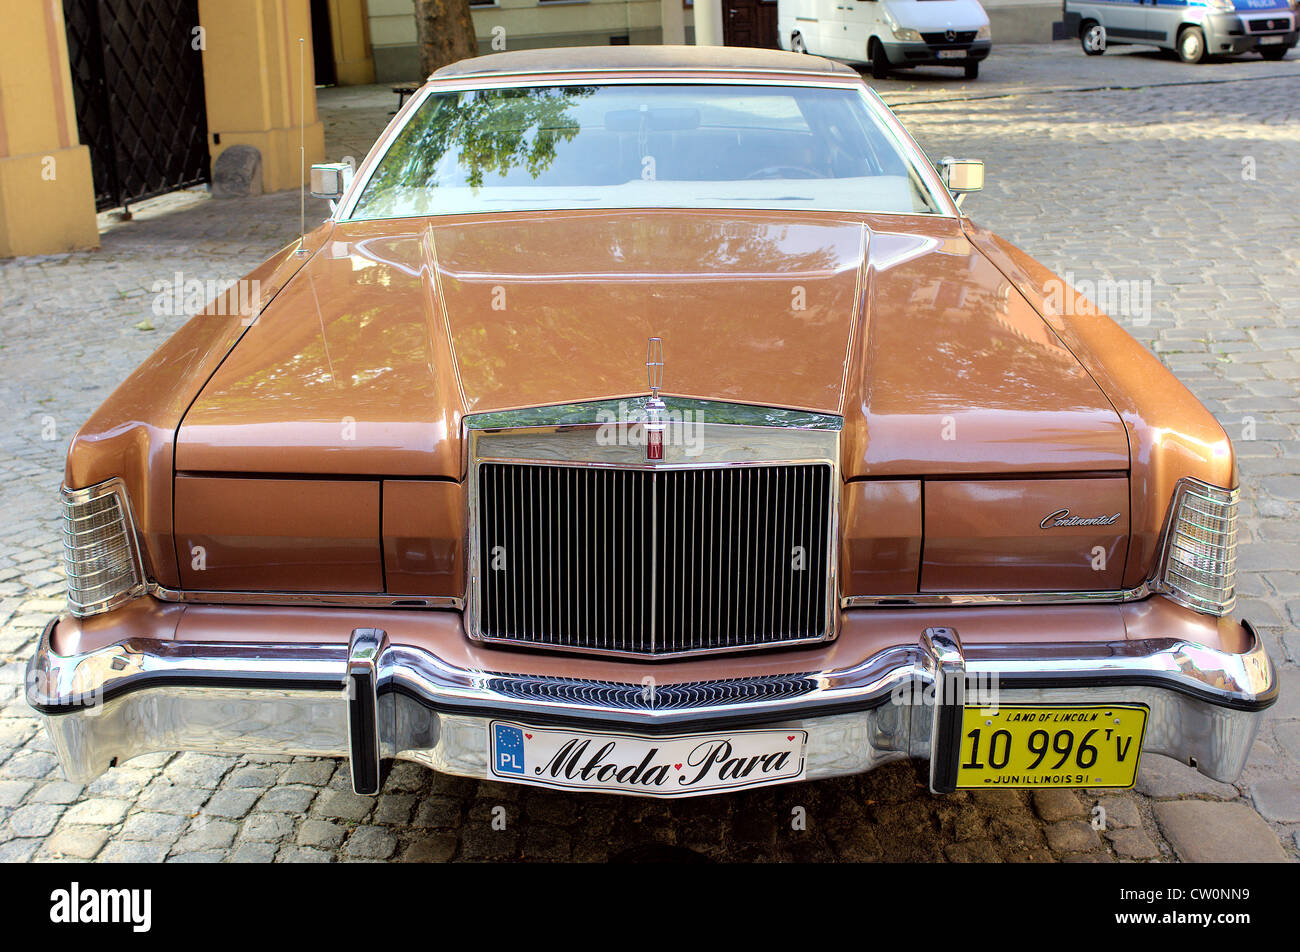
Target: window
<point>638,146</point>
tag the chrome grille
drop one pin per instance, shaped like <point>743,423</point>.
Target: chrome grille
<point>645,697</point>
<point>654,561</point>
<point>941,38</point>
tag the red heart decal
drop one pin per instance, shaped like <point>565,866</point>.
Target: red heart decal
<point>789,737</point>
<point>678,766</point>
<point>529,736</point>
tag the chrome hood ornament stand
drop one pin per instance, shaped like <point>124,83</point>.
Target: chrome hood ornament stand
<point>655,406</point>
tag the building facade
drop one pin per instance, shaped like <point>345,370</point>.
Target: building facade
<point>529,24</point>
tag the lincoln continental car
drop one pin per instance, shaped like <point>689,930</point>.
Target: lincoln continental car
<point>653,420</point>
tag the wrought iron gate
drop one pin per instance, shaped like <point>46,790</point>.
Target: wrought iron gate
<point>137,79</point>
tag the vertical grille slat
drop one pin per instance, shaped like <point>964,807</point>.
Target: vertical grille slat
<point>653,562</point>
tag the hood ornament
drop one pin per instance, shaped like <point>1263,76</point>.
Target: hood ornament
<point>655,406</point>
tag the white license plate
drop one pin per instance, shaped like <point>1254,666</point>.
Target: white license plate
<point>952,54</point>
<point>674,766</point>
<point>1264,40</point>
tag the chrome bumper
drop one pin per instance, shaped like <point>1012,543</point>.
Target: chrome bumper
<point>375,702</point>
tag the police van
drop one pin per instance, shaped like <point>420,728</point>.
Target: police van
<point>1195,28</point>
<point>888,34</point>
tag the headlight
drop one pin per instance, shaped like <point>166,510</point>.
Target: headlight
<point>903,33</point>
<point>984,33</point>
<point>100,554</point>
<point>1223,6</point>
<point>1200,558</point>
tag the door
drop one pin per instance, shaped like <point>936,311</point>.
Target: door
<point>1125,20</point>
<point>749,23</point>
<point>1163,18</point>
<point>322,43</point>
<point>858,23</point>
<point>137,82</point>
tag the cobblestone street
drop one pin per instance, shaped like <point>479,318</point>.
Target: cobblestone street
<point>1190,179</point>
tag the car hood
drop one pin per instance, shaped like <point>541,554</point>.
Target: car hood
<point>367,360</point>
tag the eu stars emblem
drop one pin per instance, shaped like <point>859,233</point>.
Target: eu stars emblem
<point>509,746</point>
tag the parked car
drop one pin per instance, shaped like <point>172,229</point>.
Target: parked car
<point>1195,28</point>
<point>652,420</point>
<point>888,34</point>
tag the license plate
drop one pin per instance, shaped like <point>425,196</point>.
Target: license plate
<point>675,766</point>
<point>1265,40</point>
<point>952,54</point>
<point>1051,746</point>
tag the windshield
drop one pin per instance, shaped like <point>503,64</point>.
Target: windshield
<point>641,146</point>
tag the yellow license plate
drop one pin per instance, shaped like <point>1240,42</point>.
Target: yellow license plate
<point>1050,746</point>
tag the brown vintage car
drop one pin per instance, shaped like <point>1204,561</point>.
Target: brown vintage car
<point>652,420</point>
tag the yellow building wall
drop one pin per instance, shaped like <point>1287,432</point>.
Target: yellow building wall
<point>260,84</point>
<point>350,32</point>
<point>47,197</point>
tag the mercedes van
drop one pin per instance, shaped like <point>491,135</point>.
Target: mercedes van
<point>888,34</point>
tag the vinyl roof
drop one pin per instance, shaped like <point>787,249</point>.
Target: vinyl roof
<point>581,58</point>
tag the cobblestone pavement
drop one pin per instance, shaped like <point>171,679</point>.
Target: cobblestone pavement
<point>1143,184</point>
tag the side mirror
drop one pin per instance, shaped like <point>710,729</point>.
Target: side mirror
<point>961,176</point>
<point>330,180</point>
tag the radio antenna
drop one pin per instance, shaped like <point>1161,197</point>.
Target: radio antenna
<point>302,146</point>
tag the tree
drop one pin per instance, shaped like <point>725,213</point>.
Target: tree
<point>444,33</point>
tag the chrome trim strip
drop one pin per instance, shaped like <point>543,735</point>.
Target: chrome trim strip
<point>321,599</point>
<point>703,412</point>
<point>702,71</point>
<point>931,600</point>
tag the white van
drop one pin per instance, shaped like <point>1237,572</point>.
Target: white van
<point>888,34</point>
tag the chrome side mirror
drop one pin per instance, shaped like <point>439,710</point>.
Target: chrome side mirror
<point>961,176</point>
<point>330,180</point>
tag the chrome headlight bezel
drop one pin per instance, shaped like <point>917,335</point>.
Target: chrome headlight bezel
<point>1198,558</point>
<point>92,588</point>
